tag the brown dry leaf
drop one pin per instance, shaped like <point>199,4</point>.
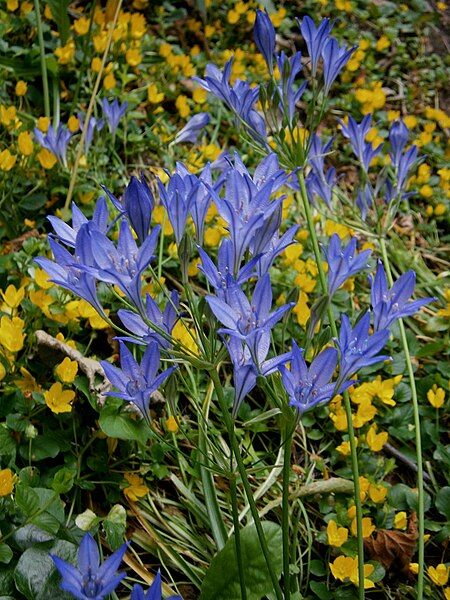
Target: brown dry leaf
<point>392,548</point>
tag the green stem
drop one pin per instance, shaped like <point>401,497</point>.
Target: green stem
<point>285,509</point>
<point>237,535</point>
<point>346,397</point>
<point>242,472</point>
<point>37,10</point>
<point>418,439</point>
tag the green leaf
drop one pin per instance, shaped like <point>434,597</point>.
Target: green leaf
<point>61,18</point>
<point>320,590</point>
<point>63,480</point>
<point>115,525</point>
<point>316,567</point>
<point>222,578</point>
<point>7,443</point>
<point>35,575</point>
<point>122,425</point>
<point>26,499</point>
<point>6,553</point>
<point>443,501</point>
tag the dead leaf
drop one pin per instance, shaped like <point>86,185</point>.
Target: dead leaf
<point>392,548</point>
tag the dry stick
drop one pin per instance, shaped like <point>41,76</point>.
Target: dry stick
<point>89,366</point>
<point>90,109</point>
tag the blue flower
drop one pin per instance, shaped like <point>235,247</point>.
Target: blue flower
<point>66,270</point>
<point>356,133</point>
<point>55,140</point>
<point>122,265</point>
<point>137,382</point>
<point>357,348</point>
<point>94,124</point>
<point>252,321</point>
<point>318,182</point>
<point>245,371</point>
<point>389,305</point>
<point>198,191</point>
<point>239,97</point>
<point>91,580</point>
<point>309,387</point>
<point>154,592</point>
<point>113,113</point>
<point>177,198</point>
<point>398,138</point>
<point>315,39</point>
<point>364,200</point>
<point>264,36</point>
<point>191,130</point>
<point>288,92</point>
<point>67,235</point>
<point>343,262</point>
<point>138,203</point>
<point>405,162</point>
<point>164,320</point>
<point>335,58</point>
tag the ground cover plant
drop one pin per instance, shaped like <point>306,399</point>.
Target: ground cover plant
<point>224,315</point>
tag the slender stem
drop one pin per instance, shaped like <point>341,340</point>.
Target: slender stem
<point>418,438</point>
<point>347,405</point>
<point>237,534</point>
<point>242,472</point>
<point>90,108</point>
<point>37,10</point>
<point>285,509</point>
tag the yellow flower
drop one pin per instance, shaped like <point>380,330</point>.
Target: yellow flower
<point>333,227</point>
<point>336,535</point>
<point>81,26</point>
<point>438,574</point>
<point>67,370</point>
<point>138,25</point>
<point>27,383</point>
<point>414,568</point>
<point>199,95</point>
<point>25,143</point>
<point>109,82</point>
<point>375,440</point>
<point>302,310</point>
<point>2,371</point>
<point>12,5</point>
<point>8,115</point>
<point>65,53</point>
<point>7,160</point>
<point>365,413</point>
<point>440,209</point>
<point>11,333</point>
<point>86,311</point>
<point>46,158</point>
<point>96,64</point>
<point>346,567</point>
<point>364,485</point>
<point>400,520</point>
<point>73,124</point>
<point>133,57</point>
<point>21,88</point>
<point>186,336</point>
<point>182,106</point>
<point>42,279</point>
<point>59,400</point>
<point>447,590</point>
<point>136,488</point>
<point>171,424</point>
<point>6,482</point>
<point>377,493</point>
<point>436,396</point>
<point>367,527</point>
<point>153,95</point>
<point>383,43</point>
<point>43,123</point>
<point>13,296</point>
<point>25,8</point>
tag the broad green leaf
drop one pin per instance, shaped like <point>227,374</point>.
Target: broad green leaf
<point>122,426</point>
<point>443,501</point>
<point>35,575</point>
<point>320,590</point>
<point>6,553</point>
<point>26,499</point>
<point>63,480</point>
<point>7,443</point>
<point>7,580</point>
<point>222,578</point>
